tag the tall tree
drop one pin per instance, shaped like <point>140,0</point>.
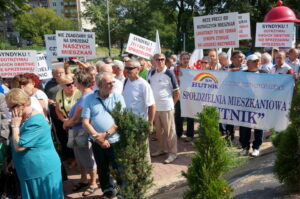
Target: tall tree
<point>12,6</point>
<point>40,21</point>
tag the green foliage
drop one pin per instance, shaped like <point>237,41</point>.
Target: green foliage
<point>210,161</point>
<point>130,153</point>
<point>287,164</point>
<point>13,7</point>
<point>40,21</point>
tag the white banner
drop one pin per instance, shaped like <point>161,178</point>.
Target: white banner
<point>14,62</point>
<point>260,101</point>
<point>51,48</point>
<point>75,43</point>
<point>244,26</point>
<point>274,35</point>
<point>140,46</point>
<point>216,31</point>
<point>43,69</point>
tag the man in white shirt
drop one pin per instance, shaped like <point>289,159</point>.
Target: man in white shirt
<point>293,61</point>
<point>281,67</point>
<point>166,93</point>
<point>138,95</point>
<point>118,69</point>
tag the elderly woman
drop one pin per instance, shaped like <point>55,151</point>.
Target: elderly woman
<point>34,156</point>
<point>65,99</point>
<point>82,148</point>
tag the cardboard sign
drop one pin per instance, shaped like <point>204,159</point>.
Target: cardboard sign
<point>244,26</point>
<point>51,47</point>
<point>43,69</point>
<point>14,62</point>
<point>140,46</point>
<point>274,35</point>
<point>216,31</point>
<point>75,44</point>
<point>260,101</point>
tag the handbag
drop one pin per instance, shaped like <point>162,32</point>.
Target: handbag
<point>80,138</point>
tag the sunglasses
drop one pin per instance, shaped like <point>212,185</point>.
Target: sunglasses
<point>159,60</point>
<point>69,84</point>
<point>130,68</point>
<point>204,62</point>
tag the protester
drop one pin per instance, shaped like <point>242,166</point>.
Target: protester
<point>144,68</point>
<point>26,84</point>
<point>224,61</point>
<point>82,148</point>
<point>34,156</point>
<point>118,70</point>
<point>97,120</point>
<point>293,61</point>
<point>99,64</point>
<point>93,72</point>
<point>237,60</point>
<point>138,96</point>
<point>266,62</point>
<point>206,63</point>
<point>65,99</point>
<point>166,93</point>
<point>184,63</point>
<point>118,85</point>
<point>281,67</point>
<point>107,60</point>
<point>212,53</point>
<point>125,59</point>
<point>245,132</point>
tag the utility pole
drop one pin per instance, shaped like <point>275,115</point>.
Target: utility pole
<point>108,27</point>
<point>184,42</point>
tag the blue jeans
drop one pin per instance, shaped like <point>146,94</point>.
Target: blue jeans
<point>245,135</point>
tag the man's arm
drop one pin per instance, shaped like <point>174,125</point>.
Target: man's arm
<point>151,115</point>
<point>176,95</point>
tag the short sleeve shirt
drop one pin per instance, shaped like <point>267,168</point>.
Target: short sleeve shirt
<point>66,102</point>
<point>100,119</point>
<point>284,69</point>
<point>163,85</point>
<point>138,97</point>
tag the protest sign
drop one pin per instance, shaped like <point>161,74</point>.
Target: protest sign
<point>14,62</point>
<point>140,46</point>
<point>216,31</point>
<point>75,43</point>
<point>43,69</point>
<point>274,34</point>
<point>51,48</point>
<point>244,26</point>
<point>254,100</point>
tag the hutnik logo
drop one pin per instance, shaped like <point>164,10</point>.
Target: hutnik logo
<point>205,80</point>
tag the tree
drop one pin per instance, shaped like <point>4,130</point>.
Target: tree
<point>204,175</point>
<point>287,163</point>
<point>131,152</point>
<point>40,21</point>
<point>12,6</point>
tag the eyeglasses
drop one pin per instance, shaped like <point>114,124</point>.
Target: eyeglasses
<point>110,83</point>
<point>204,62</point>
<point>69,84</point>
<point>159,60</point>
<point>130,68</point>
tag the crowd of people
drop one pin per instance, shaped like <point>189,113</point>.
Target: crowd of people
<point>74,108</point>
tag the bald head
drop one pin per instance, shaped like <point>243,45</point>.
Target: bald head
<point>105,68</point>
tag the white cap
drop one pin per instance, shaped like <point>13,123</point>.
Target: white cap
<point>252,57</point>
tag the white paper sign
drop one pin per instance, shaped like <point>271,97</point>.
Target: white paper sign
<point>216,31</point>
<point>75,43</point>
<point>14,62</point>
<point>244,26</point>
<point>140,46</point>
<point>43,69</point>
<point>274,35</point>
<point>51,47</point>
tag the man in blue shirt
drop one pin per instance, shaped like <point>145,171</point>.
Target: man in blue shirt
<point>97,120</point>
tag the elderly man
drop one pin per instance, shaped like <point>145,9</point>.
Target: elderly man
<point>97,120</point>
<point>184,63</point>
<point>237,59</point>
<point>138,95</point>
<point>245,132</point>
<point>166,94</point>
<point>223,60</point>
<point>293,61</point>
<point>212,53</point>
<point>266,63</point>
<point>118,85</point>
<point>118,70</point>
<point>281,67</point>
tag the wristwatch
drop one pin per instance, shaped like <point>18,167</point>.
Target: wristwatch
<point>107,134</point>
<point>14,126</point>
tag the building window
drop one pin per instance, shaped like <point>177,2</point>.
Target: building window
<point>54,3</point>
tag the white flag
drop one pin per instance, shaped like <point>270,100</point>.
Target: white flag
<point>196,58</point>
<point>229,54</point>
<point>157,47</point>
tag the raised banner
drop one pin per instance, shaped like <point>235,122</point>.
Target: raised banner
<point>216,31</point>
<point>244,26</point>
<point>43,69</point>
<point>140,46</point>
<point>260,101</point>
<point>51,48</point>
<point>274,34</point>
<point>14,62</point>
<point>75,43</point>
